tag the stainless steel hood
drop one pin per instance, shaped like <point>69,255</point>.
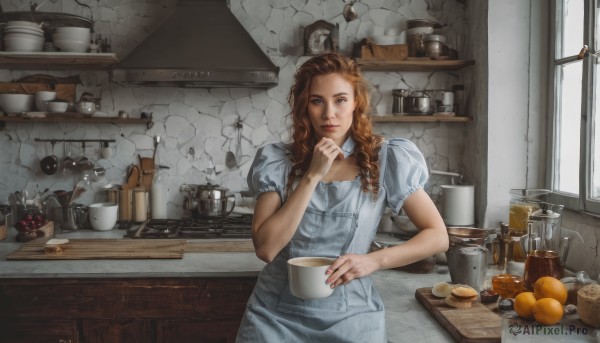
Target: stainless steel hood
<point>200,44</point>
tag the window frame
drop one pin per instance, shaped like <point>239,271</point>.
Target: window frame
<point>583,201</point>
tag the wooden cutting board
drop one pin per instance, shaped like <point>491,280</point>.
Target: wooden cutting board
<point>86,249</point>
<point>219,246</point>
<point>475,324</point>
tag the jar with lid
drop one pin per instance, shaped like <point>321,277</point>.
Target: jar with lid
<point>523,203</point>
<point>159,193</point>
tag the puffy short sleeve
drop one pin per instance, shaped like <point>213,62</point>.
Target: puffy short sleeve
<point>269,170</point>
<point>405,171</point>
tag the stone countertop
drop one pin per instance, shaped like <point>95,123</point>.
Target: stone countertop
<point>406,319</point>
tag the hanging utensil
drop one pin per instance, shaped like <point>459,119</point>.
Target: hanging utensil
<point>231,159</point>
<point>49,164</point>
<point>83,163</point>
<point>349,12</point>
<point>68,162</point>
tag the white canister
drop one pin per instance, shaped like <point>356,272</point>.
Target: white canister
<point>447,98</point>
<point>458,205</point>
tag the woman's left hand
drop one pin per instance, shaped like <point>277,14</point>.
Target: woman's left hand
<point>349,267</point>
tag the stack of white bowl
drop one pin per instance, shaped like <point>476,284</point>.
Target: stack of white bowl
<point>72,39</point>
<point>24,36</point>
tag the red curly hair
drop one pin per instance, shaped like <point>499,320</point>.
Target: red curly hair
<point>367,146</point>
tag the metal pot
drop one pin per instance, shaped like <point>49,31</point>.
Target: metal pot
<point>216,207</point>
<point>213,200</point>
<point>210,191</point>
<point>418,102</point>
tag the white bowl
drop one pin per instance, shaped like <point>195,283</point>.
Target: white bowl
<point>307,277</point>
<point>23,23</point>
<point>45,95</point>
<point>73,33</point>
<point>16,103</point>
<point>386,40</point>
<point>103,216</point>
<point>56,106</point>
<point>23,44</point>
<point>25,30</point>
<point>72,46</point>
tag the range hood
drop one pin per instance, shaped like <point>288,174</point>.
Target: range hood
<point>200,44</point>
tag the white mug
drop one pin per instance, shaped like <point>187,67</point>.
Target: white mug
<point>447,98</point>
<point>307,277</point>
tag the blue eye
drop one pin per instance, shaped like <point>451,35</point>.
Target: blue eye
<point>316,101</point>
<point>340,100</point>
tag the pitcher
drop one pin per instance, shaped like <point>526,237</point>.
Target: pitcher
<point>546,224</point>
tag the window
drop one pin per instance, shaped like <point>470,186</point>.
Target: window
<point>574,173</point>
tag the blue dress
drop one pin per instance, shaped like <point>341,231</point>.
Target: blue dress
<point>340,219</point>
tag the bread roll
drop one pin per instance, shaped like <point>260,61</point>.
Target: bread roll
<point>55,246</point>
<point>441,289</point>
<point>457,303</point>
<point>464,293</point>
<point>588,305</point>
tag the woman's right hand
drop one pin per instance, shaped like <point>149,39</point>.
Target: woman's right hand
<point>326,151</point>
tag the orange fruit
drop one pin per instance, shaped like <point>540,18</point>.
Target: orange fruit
<point>547,311</point>
<point>524,304</point>
<point>549,287</point>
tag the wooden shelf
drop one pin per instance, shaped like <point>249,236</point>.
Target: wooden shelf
<point>75,118</point>
<point>389,118</point>
<point>56,60</point>
<point>417,64</point>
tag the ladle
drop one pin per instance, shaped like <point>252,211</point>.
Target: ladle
<point>231,158</point>
<point>349,12</point>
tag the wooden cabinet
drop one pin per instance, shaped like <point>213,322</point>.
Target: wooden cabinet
<point>123,310</point>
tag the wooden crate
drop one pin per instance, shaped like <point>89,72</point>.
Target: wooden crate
<point>373,52</point>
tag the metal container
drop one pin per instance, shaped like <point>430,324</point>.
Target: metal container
<point>418,102</point>
<point>434,45</point>
<point>467,264</point>
<point>210,200</point>
<point>73,217</point>
<point>398,103</point>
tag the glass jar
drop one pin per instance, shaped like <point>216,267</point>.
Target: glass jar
<point>523,203</point>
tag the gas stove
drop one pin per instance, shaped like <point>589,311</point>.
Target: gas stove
<point>232,226</point>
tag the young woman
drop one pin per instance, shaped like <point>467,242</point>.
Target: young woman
<point>323,195</point>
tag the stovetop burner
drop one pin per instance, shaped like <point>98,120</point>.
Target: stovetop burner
<point>232,226</point>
